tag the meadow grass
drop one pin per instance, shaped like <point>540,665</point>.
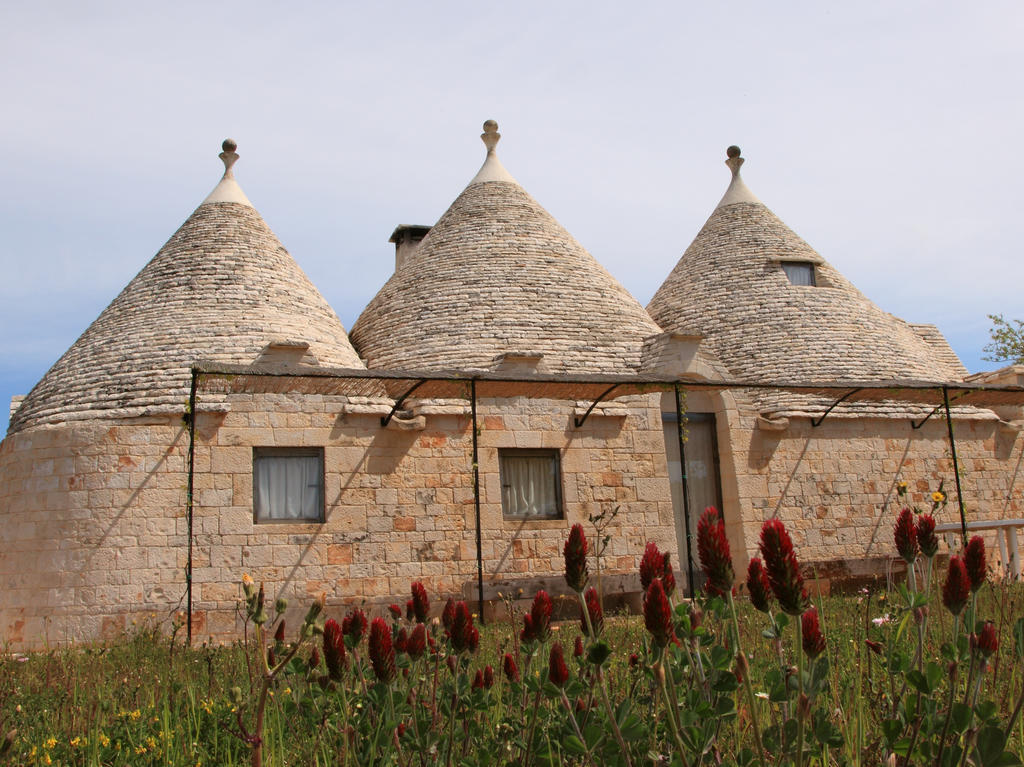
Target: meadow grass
<point>144,699</point>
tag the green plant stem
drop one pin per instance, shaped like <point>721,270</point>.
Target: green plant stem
<point>451,723</point>
<point>601,684</point>
<point>800,686</point>
<point>1016,713</point>
<point>533,724</point>
<point>949,715</point>
<point>746,683</point>
<point>575,725</point>
<point>659,672</point>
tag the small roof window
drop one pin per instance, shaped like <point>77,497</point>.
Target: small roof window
<point>799,272</point>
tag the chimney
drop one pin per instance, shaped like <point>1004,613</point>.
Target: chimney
<point>407,238</point>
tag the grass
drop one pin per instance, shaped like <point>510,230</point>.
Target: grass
<point>143,700</point>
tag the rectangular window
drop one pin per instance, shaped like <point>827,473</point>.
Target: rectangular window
<point>288,484</point>
<point>799,272</point>
<point>531,485</point>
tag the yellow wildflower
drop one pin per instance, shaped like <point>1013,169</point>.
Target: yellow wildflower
<point>47,759</point>
<point>104,740</point>
<point>151,741</point>
<point>938,496</point>
<point>50,742</point>
<point>134,715</point>
<point>76,742</point>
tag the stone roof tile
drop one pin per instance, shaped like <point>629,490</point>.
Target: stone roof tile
<point>730,287</point>
<point>498,274</point>
<point>223,288</point>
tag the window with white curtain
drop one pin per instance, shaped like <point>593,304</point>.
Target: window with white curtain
<point>531,487</point>
<point>288,484</point>
<point>799,272</point>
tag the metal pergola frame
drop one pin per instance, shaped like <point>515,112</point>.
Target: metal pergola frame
<point>399,385</point>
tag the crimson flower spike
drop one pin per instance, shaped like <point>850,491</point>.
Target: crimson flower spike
<point>987,641</point>
<point>926,538</point>
<point>594,610</point>
<point>974,561</point>
<point>420,602</point>
<point>783,569</point>
<point>957,588</point>
<point>658,614</point>
<point>759,586</point>
<point>417,643</point>
<point>558,673</point>
<point>713,549</point>
<point>334,649</point>
<point>652,565</point>
<point>904,532</point>
<point>575,552</point>
<point>508,665</point>
<point>353,625</point>
<point>540,615</point>
<point>813,639</point>
<point>381,651</point>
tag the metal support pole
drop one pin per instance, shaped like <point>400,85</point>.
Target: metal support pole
<point>686,488</point>
<point>476,504</point>
<point>956,464</point>
<point>189,495</point>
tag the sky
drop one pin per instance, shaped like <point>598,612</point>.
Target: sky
<point>882,133</point>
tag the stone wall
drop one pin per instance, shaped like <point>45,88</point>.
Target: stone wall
<point>835,485</point>
<point>96,527</point>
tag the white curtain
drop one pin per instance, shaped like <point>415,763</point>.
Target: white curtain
<point>529,485</point>
<point>288,487</point>
<point>799,273</point>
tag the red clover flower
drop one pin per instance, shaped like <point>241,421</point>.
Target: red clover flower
<point>713,548</point>
<point>813,639</point>
<point>420,602</point>
<point>974,561</point>
<point>759,586</point>
<point>905,534</point>
<point>926,537</point>
<point>575,552</point>
<point>558,673</point>
<point>783,568</point>
<point>658,614</point>
<point>957,588</point>
<point>382,653</point>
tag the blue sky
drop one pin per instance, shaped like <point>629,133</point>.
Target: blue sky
<point>883,133</point>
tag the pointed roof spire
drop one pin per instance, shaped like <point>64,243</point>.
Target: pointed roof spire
<point>228,189</point>
<point>492,169</point>
<point>499,279</point>
<point>222,289</point>
<point>737,191</point>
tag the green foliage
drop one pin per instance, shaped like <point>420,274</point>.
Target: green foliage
<point>1007,342</point>
<point>136,701</point>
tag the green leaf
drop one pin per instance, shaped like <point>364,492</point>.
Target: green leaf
<point>599,652</point>
<point>574,745</point>
<point>960,717</point>
<point>633,729</point>
<point>891,729</point>
<point>725,681</point>
<point>919,682</point>
<point>990,745</point>
<point>1018,637</point>
<point>935,674</point>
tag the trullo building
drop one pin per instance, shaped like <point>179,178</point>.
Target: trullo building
<point>501,386</point>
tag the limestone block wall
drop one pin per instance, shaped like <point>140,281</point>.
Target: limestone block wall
<point>400,502</point>
<point>835,485</point>
<point>93,519</point>
<point>96,532</point>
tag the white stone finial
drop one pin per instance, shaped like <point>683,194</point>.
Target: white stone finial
<point>735,161</point>
<point>229,156</point>
<point>737,191</point>
<point>228,189</point>
<point>490,136</point>
<point>492,169</point>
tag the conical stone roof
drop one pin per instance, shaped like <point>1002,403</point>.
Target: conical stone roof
<point>730,287</point>
<point>498,275</point>
<point>222,289</point>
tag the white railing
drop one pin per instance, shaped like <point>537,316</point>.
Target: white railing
<point>1009,553</point>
